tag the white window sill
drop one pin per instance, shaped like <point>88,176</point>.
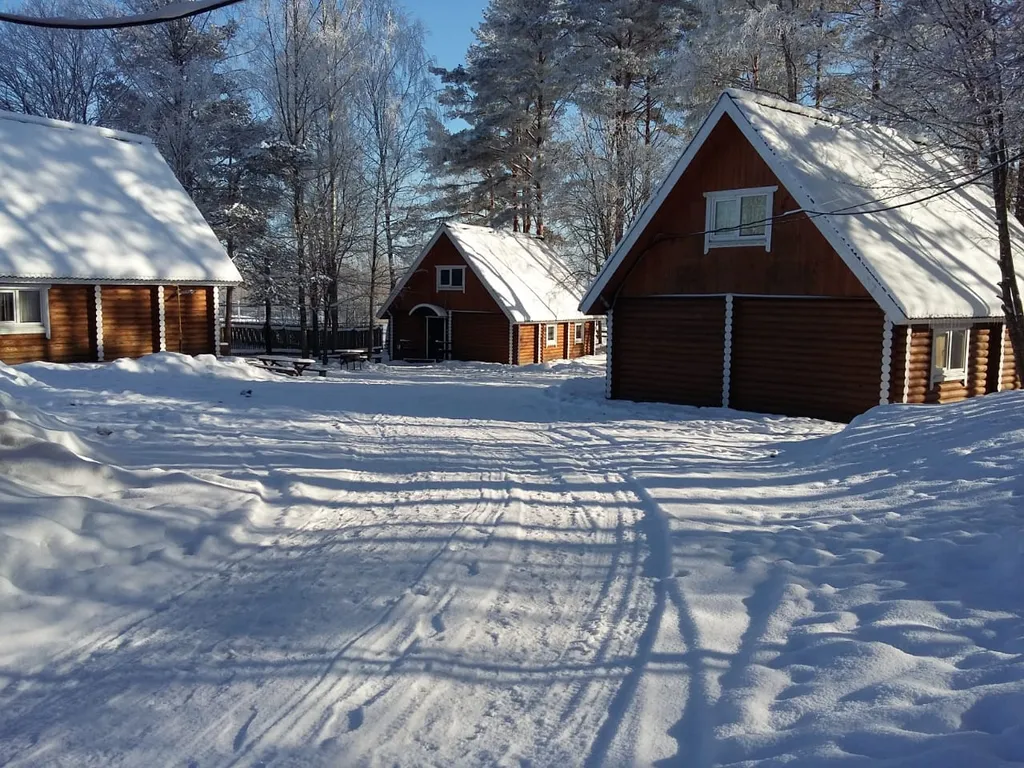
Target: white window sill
<point>22,329</point>
<point>738,243</point>
<point>942,376</point>
<point>450,290</point>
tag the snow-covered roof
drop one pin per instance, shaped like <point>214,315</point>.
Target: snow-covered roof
<point>933,258</point>
<point>524,274</point>
<point>84,203</point>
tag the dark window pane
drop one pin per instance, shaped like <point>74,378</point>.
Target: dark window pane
<point>29,307</point>
<point>446,277</point>
<point>6,307</point>
<point>457,278</point>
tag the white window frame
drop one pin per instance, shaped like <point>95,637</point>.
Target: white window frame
<point>714,239</point>
<point>450,287</point>
<point>949,372</point>
<point>548,342</point>
<point>8,328</point>
<point>578,335</point>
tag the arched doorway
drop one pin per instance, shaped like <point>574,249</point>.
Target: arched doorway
<point>434,331</point>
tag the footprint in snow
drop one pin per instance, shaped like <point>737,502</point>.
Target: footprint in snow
<point>437,622</point>
<point>355,718</point>
<point>474,568</point>
<point>243,732</point>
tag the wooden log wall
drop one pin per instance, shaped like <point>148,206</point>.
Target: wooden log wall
<point>131,321</point>
<point>1008,375</point>
<point>982,364</point>
<point>525,343</point>
<point>580,349</point>
<point>668,350</point>
<point>812,357</point>
<point>556,352</point>
<point>898,364</point>
<point>188,314</point>
<point>478,336</point>
<point>72,330</point>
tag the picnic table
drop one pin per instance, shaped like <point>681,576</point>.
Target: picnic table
<point>289,366</point>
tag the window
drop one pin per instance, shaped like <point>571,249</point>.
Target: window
<point>579,333</point>
<point>451,278</point>
<point>23,310</point>
<point>739,217</point>
<point>551,337</point>
<point>949,354</point>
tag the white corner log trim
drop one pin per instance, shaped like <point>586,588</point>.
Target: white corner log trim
<point>906,366</point>
<point>511,340</point>
<point>162,314</point>
<point>1002,357</point>
<point>608,359</point>
<point>883,391</point>
<point>727,356</point>
<point>216,321</point>
<point>98,293</point>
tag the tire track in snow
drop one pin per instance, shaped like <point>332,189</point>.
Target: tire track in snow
<point>391,638</point>
<point>112,663</point>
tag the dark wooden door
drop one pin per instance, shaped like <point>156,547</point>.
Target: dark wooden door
<point>435,338</point>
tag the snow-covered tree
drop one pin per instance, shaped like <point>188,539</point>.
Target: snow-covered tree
<point>53,73</point>
<point>511,94</point>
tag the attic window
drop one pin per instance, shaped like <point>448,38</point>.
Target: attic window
<point>451,278</point>
<point>23,310</point>
<point>949,354</point>
<point>739,217</point>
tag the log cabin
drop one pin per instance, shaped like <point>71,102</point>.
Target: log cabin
<point>477,293</point>
<point>800,263</point>
<point>102,252</point>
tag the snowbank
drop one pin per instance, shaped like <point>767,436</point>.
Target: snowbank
<point>79,536</point>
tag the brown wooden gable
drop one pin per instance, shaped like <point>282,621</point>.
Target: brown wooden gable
<point>421,287</point>
<point>669,258</point>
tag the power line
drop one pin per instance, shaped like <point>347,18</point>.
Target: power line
<point>182,9</point>
<point>793,216</point>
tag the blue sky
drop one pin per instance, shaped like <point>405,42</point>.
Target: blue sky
<point>449,26</point>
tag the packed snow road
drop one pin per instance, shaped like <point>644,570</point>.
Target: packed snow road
<point>204,565</point>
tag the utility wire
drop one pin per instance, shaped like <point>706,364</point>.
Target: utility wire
<point>182,9</point>
<point>793,216</point>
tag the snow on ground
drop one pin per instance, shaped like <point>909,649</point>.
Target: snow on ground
<point>204,565</point>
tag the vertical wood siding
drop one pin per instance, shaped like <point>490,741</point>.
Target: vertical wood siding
<point>669,259</point>
<point>668,350</point>
<point>817,357</point>
<point>526,344</point>
<point>421,287</point>
<point>189,324</point>
<point>131,326</point>
<point>482,337</point>
<point>72,330</point>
